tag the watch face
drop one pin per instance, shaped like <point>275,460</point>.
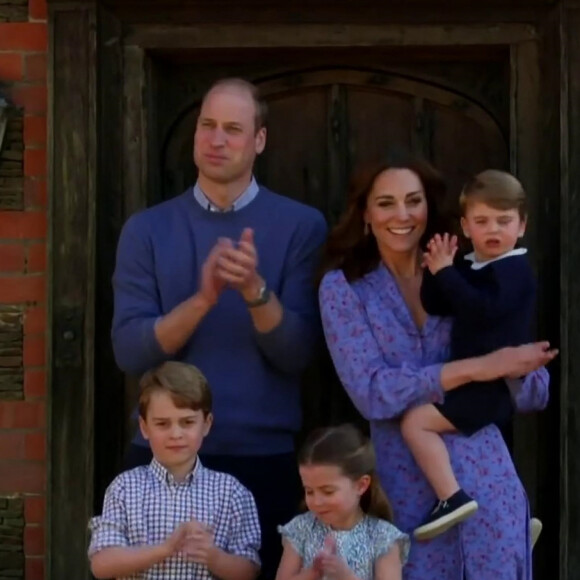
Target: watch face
<point>262,298</point>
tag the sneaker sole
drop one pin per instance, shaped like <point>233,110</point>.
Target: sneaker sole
<point>536,526</point>
<point>441,525</point>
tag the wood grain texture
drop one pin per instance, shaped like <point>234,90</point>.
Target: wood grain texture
<point>323,35</point>
<point>570,293</point>
<point>73,193</point>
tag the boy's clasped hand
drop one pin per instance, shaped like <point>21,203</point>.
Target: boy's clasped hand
<point>193,540</point>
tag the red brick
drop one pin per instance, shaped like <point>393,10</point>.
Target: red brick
<point>35,446</point>
<point>18,289</point>
<point>34,509</point>
<point>34,383</point>
<point>35,192</point>
<point>23,36</point>
<point>36,259</point>
<point>21,415</point>
<point>12,445</point>
<point>34,351</point>
<point>35,67</point>
<point>35,320</point>
<point>23,477</point>
<point>12,258</point>
<point>34,568</point>
<point>33,540</point>
<point>35,162</point>
<point>37,9</point>
<point>34,130</point>
<point>32,97</point>
<point>23,225</point>
<point>11,66</point>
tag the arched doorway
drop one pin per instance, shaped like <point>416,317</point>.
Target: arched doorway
<point>321,124</point>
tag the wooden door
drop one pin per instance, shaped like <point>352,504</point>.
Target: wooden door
<point>323,123</point>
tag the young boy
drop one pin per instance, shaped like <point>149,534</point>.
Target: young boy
<point>490,293</point>
<point>174,518</point>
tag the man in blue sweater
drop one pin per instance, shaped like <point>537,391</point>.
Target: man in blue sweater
<point>222,277</point>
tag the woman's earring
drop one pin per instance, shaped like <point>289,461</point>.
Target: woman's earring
<point>366,229</point>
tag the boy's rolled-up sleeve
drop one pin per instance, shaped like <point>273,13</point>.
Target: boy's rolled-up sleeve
<point>110,528</point>
<point>244,531</point>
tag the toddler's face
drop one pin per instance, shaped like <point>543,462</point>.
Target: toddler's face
<point>333,497</point>
<point>493,232</point>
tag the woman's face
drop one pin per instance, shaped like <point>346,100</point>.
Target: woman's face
<point>397,211</point>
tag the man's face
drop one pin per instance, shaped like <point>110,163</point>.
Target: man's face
<point>226,142</point>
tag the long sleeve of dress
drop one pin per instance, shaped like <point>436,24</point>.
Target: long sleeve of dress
<point>378,390</point>
<point>531,393</point>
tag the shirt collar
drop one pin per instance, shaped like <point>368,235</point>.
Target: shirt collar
<point>241,201</point>
<point>479,265</point>
<point>163,475</point>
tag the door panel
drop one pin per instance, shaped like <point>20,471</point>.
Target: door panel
<point>295,161</point>
<point>378,120</point>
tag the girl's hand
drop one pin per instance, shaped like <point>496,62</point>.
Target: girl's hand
<point>440,252</point>
<point>335,567</point>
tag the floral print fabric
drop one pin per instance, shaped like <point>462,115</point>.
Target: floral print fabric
<point>387,365</point>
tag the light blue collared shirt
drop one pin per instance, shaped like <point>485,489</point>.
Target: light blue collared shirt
<point>247,196</point>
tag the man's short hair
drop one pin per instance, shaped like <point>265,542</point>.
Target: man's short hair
<point>239,83</point>
<point>184,383</point>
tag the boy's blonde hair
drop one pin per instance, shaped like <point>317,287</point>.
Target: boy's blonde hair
<point>497,189</point>
<point>184,383</point>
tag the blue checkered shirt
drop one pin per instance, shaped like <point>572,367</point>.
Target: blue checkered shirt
<point>145,505</point>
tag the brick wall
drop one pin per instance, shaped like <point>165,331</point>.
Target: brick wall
<point>23,291</point>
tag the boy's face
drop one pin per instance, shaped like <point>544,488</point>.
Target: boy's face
<point>175,434</point>
<point>493,232</point>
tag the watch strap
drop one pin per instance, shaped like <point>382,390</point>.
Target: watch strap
<point>263,298</point>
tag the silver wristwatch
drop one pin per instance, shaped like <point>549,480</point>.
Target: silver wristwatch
<point>262,298</point>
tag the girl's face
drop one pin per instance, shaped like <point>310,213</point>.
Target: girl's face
<point>397,211</point>
<point>332,496</point>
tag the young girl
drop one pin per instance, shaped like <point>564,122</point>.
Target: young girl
<point>346,534</point>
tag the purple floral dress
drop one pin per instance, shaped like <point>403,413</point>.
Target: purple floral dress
<point>387,365</point>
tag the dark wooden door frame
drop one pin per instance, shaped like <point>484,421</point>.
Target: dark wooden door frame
<point>98,142</point>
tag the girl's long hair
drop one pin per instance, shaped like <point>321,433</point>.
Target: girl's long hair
<point>355,252</point>
<point>348,449</point>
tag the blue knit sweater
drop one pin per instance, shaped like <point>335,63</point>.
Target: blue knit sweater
<point>254,377</point>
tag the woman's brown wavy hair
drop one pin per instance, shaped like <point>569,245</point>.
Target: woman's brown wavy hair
<point>356,254</point>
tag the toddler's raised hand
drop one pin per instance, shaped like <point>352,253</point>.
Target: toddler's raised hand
<point>440,252</point>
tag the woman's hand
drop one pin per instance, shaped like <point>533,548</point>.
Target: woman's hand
<point>515,362</point>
